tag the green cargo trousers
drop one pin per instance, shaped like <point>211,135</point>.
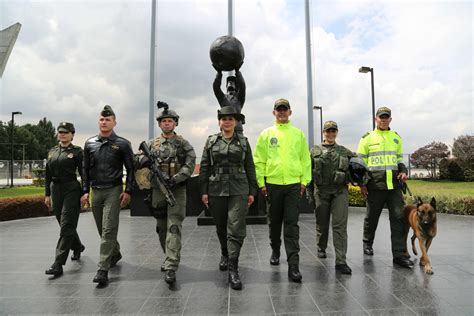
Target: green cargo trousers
<point>375,202</point>
<point>229,217</point>
<point>283,208</point>
<point>66,199</point>
<point>337,205</point>
<point>106,211</point>
<point>169,227</point>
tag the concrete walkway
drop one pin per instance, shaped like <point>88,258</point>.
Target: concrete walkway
<point>136,286</point>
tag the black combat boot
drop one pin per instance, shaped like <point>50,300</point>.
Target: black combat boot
<point>101,277</point>
<point>234,278</point>
<point>368,250</point>
<point>116,258</point>
<point>56,269</point>
<point>322,253</point>
<point>170,276</point>
<point>275,258</point>
<point>294,273</point>
<point>76,254</point>
<point>224,263</point>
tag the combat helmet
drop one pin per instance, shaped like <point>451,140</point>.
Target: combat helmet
<point>358,171</point>
<point>166,113</point>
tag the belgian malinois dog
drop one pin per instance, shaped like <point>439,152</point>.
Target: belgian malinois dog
<point>422,220</point>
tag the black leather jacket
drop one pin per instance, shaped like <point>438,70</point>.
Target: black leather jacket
<point>104,158</point>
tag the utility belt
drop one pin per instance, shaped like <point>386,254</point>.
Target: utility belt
<point>171,168</point>
<point>100,185</point>
<point>229,170</point>
<point>58,180</point>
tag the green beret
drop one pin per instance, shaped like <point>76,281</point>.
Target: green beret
<point>107,111</point>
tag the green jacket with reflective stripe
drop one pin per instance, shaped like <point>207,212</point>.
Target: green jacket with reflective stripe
<point>382,152</point>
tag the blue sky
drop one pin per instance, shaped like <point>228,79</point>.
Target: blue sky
<point>73,57</point>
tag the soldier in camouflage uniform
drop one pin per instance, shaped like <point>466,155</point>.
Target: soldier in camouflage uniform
<point>177,161</point>
<point>331,177</point>
<point>64,191</point>
<point>228,185</point>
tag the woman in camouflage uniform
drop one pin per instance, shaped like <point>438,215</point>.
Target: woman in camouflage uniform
<point>63,192</point>
<point>331,177</point>
<point>228,184</point>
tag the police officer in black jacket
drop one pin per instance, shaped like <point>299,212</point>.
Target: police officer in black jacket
<point>104,158</point>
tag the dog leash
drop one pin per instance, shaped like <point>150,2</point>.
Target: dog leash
<point>406,189</point>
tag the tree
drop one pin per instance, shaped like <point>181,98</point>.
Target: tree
<point>429,156</point>
<point>463,150</point>
<point>38,139</point>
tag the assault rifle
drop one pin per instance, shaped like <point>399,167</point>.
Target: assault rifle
<point>162,178</point>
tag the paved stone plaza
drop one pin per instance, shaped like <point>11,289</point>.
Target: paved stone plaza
<point>136,285</point>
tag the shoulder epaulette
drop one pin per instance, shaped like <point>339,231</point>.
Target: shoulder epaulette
<point>366,134</point>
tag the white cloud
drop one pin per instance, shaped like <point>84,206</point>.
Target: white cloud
<point>71,58</point>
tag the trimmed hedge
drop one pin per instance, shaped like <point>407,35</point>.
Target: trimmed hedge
<point>444,204</point>
<point>449,205</point>
<point>22,207</point>
<point>27,207</point>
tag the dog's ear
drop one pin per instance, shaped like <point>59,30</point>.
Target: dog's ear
<point>433,202</point>
<point>419,201</point>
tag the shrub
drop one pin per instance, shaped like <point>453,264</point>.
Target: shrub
<point>355,196</point>
<point>449,169</point>
<point>39,178</point>
<point>450,205</point>
<point>23,207</point>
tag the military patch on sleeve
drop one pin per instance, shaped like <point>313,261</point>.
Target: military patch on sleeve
<point>395,141</point>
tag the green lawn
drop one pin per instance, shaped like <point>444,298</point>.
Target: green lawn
<point>441,188</point>
<point>21,191</point>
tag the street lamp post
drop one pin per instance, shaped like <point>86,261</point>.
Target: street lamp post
<point>11,140</point>
<point>320,108</point>
<point>365,70</point>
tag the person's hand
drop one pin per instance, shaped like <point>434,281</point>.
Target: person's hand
<point>402,176</point>
<point>172,182</point>
<point>145,162</point>
<point>124,199</point>
<point>85,200</point>
<point>47,201</point>
<point>264,191</point>
<point>364,191</point>
<point>205,200</point>
<point>250,200</point>
<point>302,189</point>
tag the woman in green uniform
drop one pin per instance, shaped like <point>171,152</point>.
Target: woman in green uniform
<point>331,177</point>
<point>63,192</point>
<point>228,185</point>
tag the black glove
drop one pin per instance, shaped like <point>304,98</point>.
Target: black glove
<point>145,162</point>
<point>172,182</point>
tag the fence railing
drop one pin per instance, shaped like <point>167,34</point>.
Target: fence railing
<point>22,169</point>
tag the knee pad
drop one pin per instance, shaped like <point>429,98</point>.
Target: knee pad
<point>174,229</point>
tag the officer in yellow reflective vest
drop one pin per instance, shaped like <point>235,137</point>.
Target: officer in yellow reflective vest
<point>381,150</point>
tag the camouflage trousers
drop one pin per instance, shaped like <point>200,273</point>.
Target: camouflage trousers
<point>169,224</point>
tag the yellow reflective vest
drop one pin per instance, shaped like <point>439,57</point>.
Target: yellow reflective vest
<point>382,152</point>
<point>282,156</point>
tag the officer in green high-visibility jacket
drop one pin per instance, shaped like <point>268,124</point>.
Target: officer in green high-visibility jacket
<point>381,150</point>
